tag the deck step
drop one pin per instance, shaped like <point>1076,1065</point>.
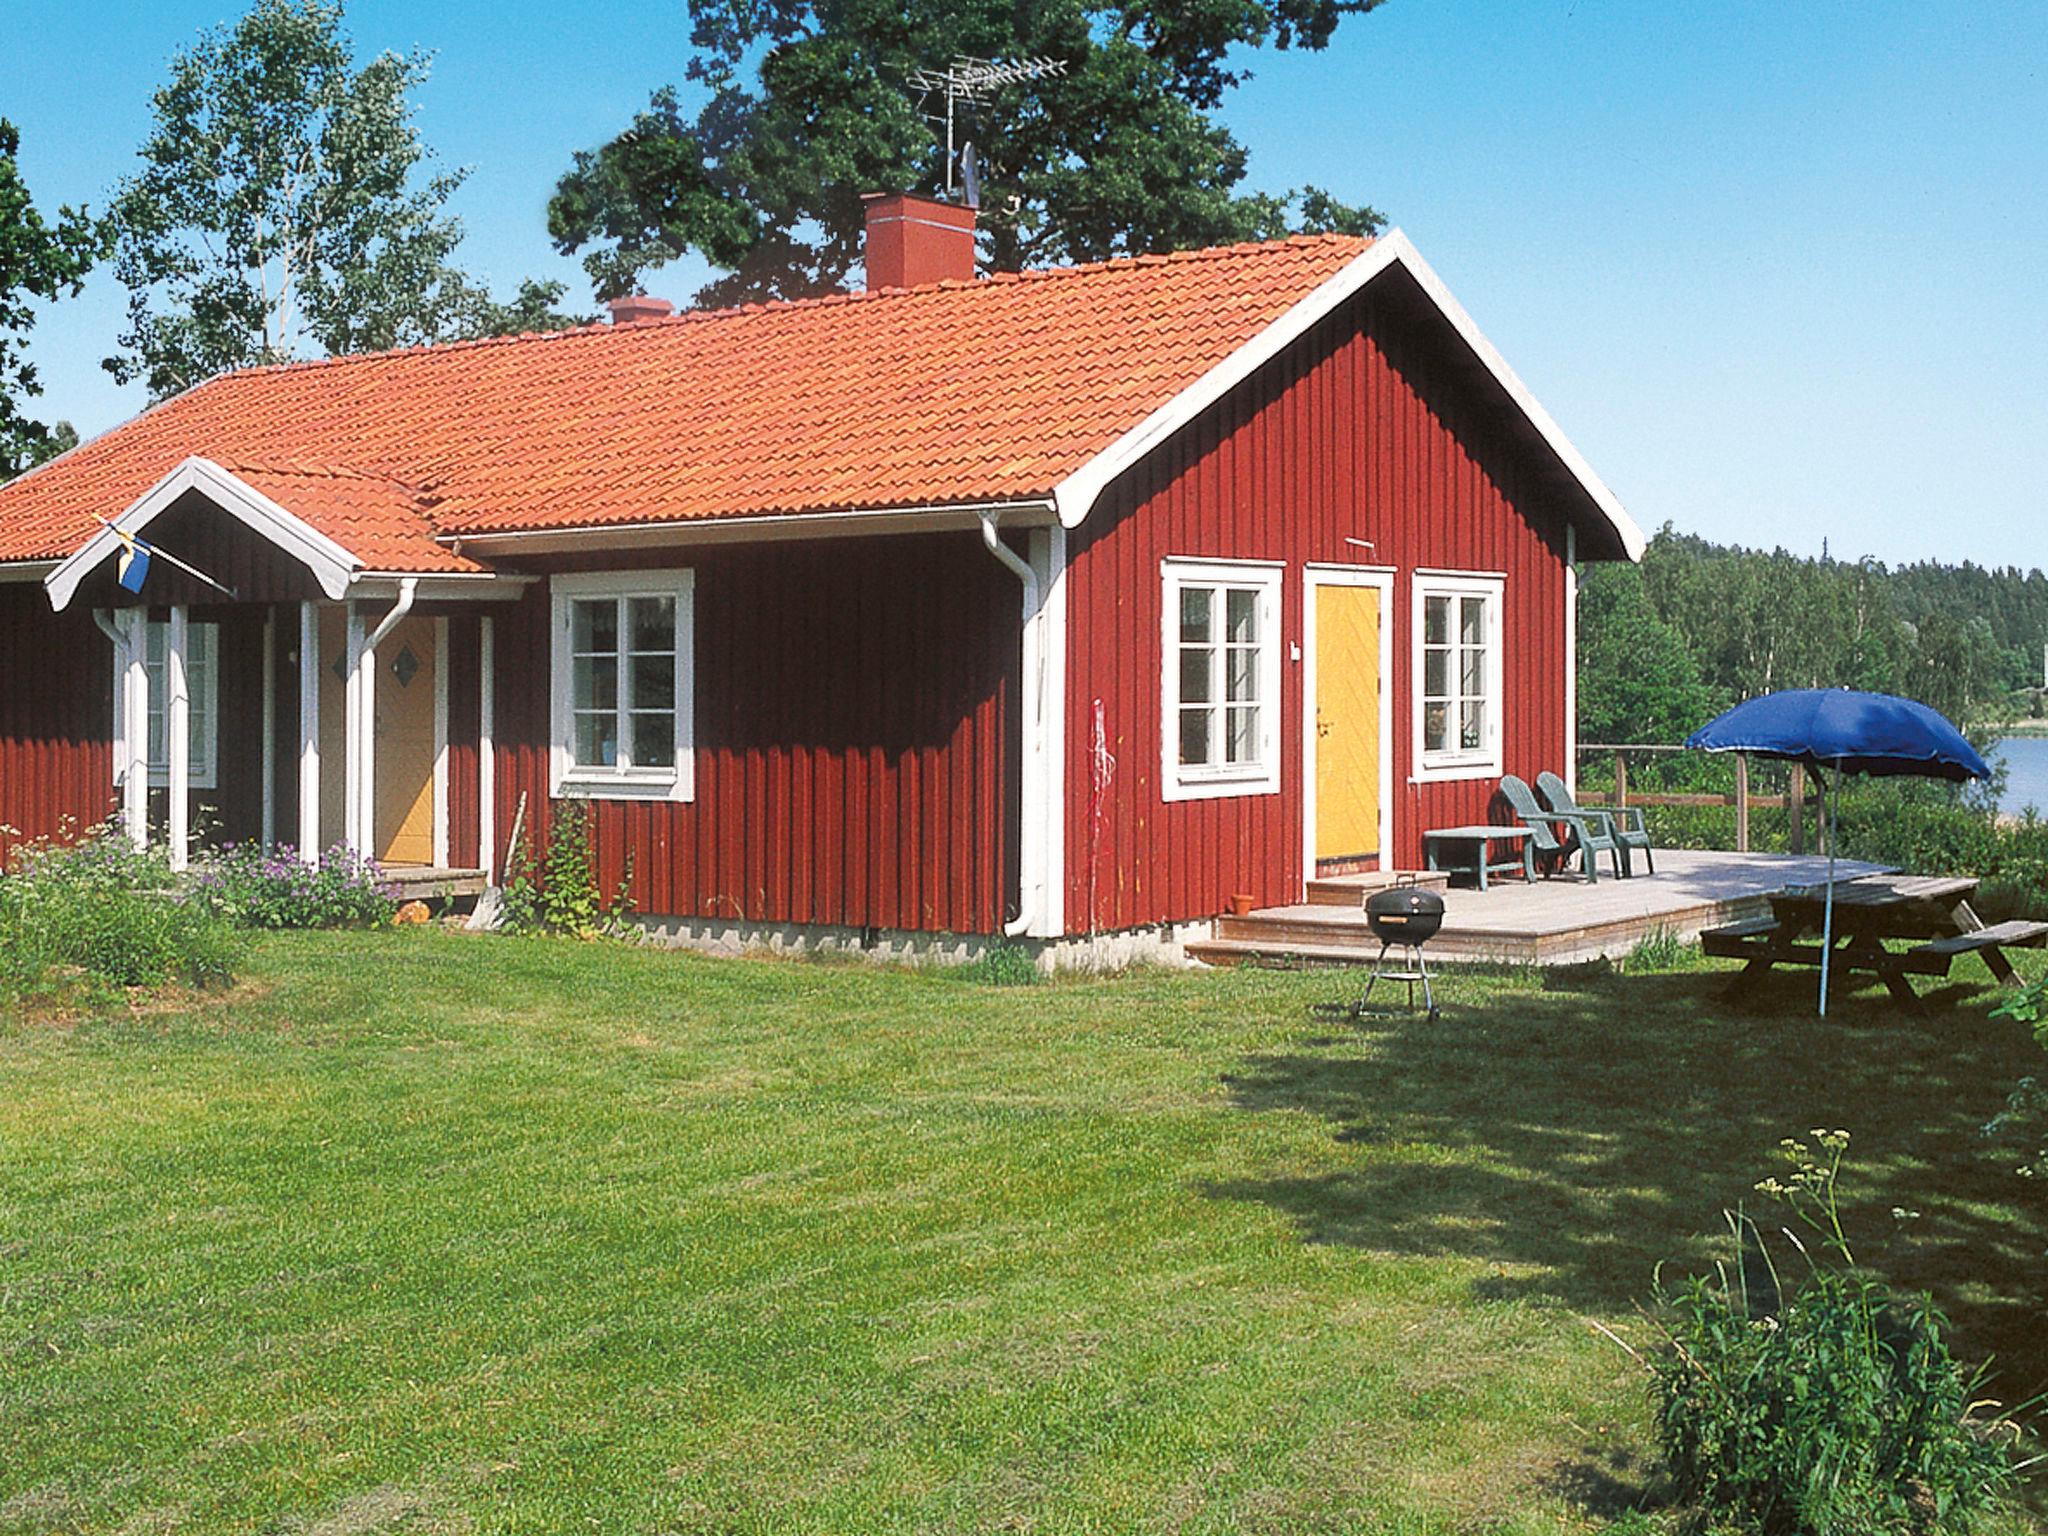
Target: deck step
<point>1351,890</point>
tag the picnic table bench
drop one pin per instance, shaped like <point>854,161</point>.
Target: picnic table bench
<point>1933,913</point>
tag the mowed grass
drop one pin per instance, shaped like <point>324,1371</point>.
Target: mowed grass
<point>426,1232</point>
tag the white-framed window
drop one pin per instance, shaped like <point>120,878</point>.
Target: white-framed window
<point>1220,729</point>
<point>623,688</point>
<point>1457,675</point>
<point>202,691</point>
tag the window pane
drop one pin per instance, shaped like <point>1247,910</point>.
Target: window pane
<point>1472,671</point>
<point>1243,744</point>
<point>653,621</point>
<point>654,682</point>
<point>1195,612</point>
<point>1436,674</point>
<point>159,754</point>
<point>597,740</point>
<point>1472,726</point>
<point>654,738</point>
<point>1242,616</point>
<point>1436,621</point>
<point>1472,624</point>
<point>1196,748</point>
<point>1435,728</point>
<point>1240,674</point>
<point>1195,666</point>
<point>594,626</point>
<point>594,682</point>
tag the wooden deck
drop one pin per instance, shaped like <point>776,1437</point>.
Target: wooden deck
<point>1552,922</point>
<point>431,882</point>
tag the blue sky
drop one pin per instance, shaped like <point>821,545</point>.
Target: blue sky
<point>1780,270</point>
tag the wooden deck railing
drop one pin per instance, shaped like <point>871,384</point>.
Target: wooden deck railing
<point>1794,801</point>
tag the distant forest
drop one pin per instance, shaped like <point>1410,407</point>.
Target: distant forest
<point>1698,626</point>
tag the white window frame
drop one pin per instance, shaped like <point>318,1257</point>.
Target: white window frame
<point>1485,760</point>
<point>568,779</point>
<point>204,716</point>
<point>1179,781</point>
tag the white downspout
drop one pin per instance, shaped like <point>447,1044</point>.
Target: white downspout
<point>365,745</point>
<point>1032,739</point>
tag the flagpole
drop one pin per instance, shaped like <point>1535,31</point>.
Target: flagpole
<point>1827,928</point>
<point>164,554</point>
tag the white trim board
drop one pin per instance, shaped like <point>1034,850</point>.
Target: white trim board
<point>331,565</point>
<point>1380,578</point>
<point>1076,495</point>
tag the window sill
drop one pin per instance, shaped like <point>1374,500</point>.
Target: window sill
<point>679,789</point>
<point>1456,769</point>
<point>1265,782</point>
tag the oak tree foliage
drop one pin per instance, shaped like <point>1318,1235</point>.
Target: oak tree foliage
<point>797,107</point>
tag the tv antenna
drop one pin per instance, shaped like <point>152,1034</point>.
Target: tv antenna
<point>973,82</point>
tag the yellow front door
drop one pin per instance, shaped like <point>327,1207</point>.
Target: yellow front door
<point>407,667</point>
<point>1347,723</point>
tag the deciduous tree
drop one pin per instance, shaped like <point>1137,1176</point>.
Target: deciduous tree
<point>43,261</point>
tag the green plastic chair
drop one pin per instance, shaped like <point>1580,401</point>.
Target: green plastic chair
<point>1627,824</point>
<point>1593,832</point>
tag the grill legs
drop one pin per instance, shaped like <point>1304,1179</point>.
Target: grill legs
<point>1415,968</point>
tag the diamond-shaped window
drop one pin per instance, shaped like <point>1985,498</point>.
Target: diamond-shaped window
<point>405,667</point>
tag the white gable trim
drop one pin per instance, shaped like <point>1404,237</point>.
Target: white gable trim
<point>330,564</point>
<point>1076,495</point>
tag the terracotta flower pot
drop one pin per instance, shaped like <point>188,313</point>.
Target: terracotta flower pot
<point>1241,905</point>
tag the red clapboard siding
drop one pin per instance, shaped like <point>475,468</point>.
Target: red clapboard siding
<point>857,739</point>
<point>56,717</point>
<point>463,662</point>
<point>1357,431</point>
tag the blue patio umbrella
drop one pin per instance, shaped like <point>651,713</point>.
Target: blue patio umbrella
<point>1879,734</point>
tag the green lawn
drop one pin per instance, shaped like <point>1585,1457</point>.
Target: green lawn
<point>425,1232</point>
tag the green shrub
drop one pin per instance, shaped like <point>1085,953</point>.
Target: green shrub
<point>1825,1407</point>
<point>560,894</point>
<point>277,889</point>
<point>1003,964</point>
<point>100,908</point>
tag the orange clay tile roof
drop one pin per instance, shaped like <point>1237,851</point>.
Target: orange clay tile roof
<point>993,390</point>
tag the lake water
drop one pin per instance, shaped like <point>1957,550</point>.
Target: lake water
<point>2026,773</point>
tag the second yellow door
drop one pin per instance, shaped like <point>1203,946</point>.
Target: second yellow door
<point>1347,723</point>
<point>407,667</point>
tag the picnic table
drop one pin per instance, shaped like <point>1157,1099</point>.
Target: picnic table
<point>1931,913</point>
<point>1480,839</point>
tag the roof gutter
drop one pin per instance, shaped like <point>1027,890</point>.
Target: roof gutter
<point>26,570</point>
<point>926,518</point>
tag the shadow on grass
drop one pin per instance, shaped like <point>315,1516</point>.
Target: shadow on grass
<point>1575,1138</point>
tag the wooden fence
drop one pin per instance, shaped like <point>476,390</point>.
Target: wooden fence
<point>1795,800</point>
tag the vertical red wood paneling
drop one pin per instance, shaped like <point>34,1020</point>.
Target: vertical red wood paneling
<point>856,742</point>
<point>464,664</point>
<point>56,718</point>
<point>1359,431</point>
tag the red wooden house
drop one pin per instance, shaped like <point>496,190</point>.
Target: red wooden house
<point>1063,603</point>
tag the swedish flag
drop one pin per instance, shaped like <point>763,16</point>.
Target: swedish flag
<point>133,568</point>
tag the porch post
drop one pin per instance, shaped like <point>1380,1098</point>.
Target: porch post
<point>269,728</point>
<point>178,737</point>
<point>135,696</point>
<point>309,733</point>
<point>353,731</point>
<point>486,750</point>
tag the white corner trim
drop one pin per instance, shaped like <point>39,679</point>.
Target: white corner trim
<point>330,564</point>
<point>1488,762</point>
<point>1571,658</point>
<point>1076,495</point>
<point>1381,579</point>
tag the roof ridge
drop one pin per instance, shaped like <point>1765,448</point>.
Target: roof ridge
<point>990,281</point>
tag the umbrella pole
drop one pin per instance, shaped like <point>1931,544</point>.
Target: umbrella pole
<point>1827,927</point>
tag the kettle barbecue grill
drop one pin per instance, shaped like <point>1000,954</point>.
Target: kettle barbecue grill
<point>1403,914</point>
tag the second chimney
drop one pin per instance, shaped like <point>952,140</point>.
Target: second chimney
<point>636,307</point>
<point>915,240</point>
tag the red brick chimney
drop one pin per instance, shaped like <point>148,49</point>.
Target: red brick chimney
<point>915,240</point>
<point>635,307</point>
